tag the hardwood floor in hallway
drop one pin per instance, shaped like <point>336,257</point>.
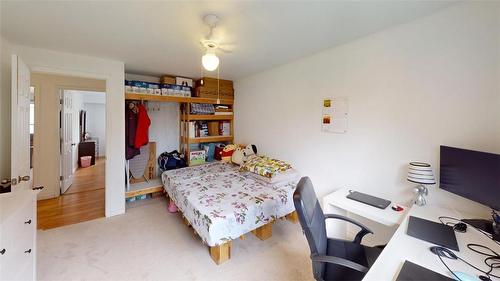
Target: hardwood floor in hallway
<point>83,201</point>
<point>91,178</point>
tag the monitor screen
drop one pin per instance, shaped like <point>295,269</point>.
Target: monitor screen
<point>472,174</point>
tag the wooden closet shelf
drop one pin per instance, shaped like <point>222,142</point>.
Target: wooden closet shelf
<point>154,185</point>
<point>209,117</point>
<point>211,139</point>
<point>147,97</point>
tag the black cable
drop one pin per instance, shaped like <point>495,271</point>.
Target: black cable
<point>439,256</point>
<point>492,260</point>
<point>472,245</point>
<point>489,256</point>
<point>488,273</point>
<point>450,218</point>
<point>459,220</point>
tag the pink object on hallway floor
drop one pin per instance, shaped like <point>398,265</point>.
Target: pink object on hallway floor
<point>85,161</point>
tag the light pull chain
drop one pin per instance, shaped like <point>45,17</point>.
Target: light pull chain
<point>218,81</point>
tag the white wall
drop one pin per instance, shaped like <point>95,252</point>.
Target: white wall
<point>164,128</point>
<point>411,88</point>
<point>40,60</point>
<point>93,97</point>
<point>96,126</point>
<point>95,105</point>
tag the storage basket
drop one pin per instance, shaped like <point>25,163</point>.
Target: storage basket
<point>85,161</point>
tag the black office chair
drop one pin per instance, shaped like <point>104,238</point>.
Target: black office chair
<point>332,259</point>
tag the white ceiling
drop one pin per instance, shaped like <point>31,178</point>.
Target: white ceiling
<point>163,37</point>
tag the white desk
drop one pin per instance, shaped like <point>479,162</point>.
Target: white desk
<point>403,247</point>
<point>337,203</point>
<point>338,200</point>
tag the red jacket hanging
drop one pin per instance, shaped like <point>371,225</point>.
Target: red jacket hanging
<point>143,122</point>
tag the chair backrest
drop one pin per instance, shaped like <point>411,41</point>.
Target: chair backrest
<point>312,220</point>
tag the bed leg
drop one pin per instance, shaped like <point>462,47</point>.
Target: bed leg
<point>186,222</point>
<point>293,217</point>
<point>264,232</point>
<point>221,253</point>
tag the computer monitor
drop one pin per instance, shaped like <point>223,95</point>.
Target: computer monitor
<point>471,174</point>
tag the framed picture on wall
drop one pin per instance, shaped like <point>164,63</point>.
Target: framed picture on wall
<point>335,115</point>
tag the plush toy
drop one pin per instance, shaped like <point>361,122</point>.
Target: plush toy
<point>238,156</point>
<point>227,152</point>
<point>249,150</point>
<point>243,154</point>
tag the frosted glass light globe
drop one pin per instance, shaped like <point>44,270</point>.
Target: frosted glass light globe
<point>210,61</point>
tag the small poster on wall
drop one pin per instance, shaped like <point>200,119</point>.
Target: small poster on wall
<point>335,114</point>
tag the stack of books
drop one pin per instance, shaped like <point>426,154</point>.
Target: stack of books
<point>223,110</point>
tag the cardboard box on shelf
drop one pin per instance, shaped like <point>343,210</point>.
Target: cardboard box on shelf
<point>206,92</point>
<point>183,81</point>
<point>167,79</point>
<point>212,83</point>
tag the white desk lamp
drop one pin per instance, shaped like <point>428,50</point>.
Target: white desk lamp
<point>422,174</point>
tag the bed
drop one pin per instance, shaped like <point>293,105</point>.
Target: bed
<point>221,203</point>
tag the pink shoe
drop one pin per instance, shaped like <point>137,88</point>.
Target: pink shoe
<point>171,207</point>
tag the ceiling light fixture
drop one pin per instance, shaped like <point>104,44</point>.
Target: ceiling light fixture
<point>210,61</point>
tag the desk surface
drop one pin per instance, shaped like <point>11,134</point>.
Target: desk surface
<point>388,216</point>
<point>403,247</point>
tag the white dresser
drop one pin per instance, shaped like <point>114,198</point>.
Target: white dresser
<point>18,235</point>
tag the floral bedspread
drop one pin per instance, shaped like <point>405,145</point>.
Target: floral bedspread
<point>222,203</point>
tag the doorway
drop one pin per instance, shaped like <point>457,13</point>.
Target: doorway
<point>83,141</point>
<point>74,188</point>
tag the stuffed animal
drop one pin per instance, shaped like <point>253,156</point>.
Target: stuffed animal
<point>227,152</point>
<point>238,156</point>
<point>249,150</point>
<point>243,154</point>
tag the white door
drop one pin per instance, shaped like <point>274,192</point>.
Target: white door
<point>17,208</point>
<point>66,141</point>
<point>20,131</point>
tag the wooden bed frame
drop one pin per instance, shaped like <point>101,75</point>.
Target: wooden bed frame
<point>222,252</point>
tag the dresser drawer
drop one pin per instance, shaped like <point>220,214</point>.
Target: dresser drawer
<point>21,225</point>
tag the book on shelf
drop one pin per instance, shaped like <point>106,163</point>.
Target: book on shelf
<point>223,110</point>
<point>223,113</point>
<point>198,129</point>
<point>224,128</point>
<point>191,129</point>
<point>203,129</point>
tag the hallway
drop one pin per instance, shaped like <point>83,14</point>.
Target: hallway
<point>83,201</point>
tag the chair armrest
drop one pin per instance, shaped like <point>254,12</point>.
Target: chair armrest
<point>364,230</point>
<point>339,261</point>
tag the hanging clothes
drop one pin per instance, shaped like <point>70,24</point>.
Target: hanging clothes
<point>131,118</point>
<point>143,123</point>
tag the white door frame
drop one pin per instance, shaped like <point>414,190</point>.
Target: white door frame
<point>110,191</point>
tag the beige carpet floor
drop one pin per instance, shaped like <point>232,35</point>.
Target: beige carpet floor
<point>148,243</point>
